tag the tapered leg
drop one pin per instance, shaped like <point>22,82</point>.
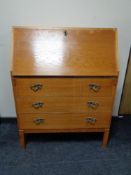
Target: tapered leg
<point>22,138</point>
<point>105,138</point>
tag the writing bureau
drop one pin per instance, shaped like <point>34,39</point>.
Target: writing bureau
<point>64,79</point>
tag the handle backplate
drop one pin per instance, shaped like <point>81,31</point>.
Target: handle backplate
<point>36,87</point>
<point>94,87</point>
<point>92,104</point>
<point>38,121</point>
<point>37,105</point>
<point>91,120</point>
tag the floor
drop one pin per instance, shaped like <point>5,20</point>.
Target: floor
<point>66,154</point>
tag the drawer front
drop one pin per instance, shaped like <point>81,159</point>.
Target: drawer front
<point>63,104</point>
<point>102,87</point>
<point>64,121</point>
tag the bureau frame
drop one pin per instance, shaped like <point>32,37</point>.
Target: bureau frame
<point>76,93</point>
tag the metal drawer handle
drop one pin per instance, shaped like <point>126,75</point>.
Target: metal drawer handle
<point>38,121</point>
<point>94,87</point>
<point>37,105</point>
<point>36,87</point>
<point>91,120</point>
<point>92,104</point>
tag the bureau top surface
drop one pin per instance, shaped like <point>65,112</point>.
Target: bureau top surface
<point>64,52</point>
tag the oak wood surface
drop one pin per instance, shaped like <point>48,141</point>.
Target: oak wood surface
<point>105,138</point>
<point>64,86</point>
<point>77,130</point>
<point>22,138</point>
<point>67,52</point>
<point>63,104</point>
<point>64,121</point>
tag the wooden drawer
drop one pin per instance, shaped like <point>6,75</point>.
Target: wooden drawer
<point>63,104</point>
<point>102,87</point>
<point>64,121</point>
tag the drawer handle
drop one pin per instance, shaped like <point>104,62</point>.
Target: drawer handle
<point>36,87</point>
<point>94,87</point>
<point>37,105</point>
<point>39,121</point>
<point>91,120</point>
<point>92,104</point>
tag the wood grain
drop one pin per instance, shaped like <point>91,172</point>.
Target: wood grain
<point>61,86</point>
<point>63,104</point>
<point>63,121</point>
<point>50,52</point>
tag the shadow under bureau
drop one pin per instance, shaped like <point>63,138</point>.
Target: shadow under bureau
<point>64,79</point>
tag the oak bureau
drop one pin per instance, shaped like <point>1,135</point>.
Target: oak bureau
<point>64,79</point>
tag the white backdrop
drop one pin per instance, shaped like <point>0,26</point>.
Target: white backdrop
<point>57,13</point>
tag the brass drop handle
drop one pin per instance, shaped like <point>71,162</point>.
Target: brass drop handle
<point>37,105</point>
<point>92,104</point>
<point>91,120</point>
<point>94,87</point>
<point>36,87</point>
<point>38,121</point>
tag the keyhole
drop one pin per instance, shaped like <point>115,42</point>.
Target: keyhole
<point>65,33</point>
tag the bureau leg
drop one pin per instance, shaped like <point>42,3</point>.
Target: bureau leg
<point>22,138</point>
<point>105,138</point>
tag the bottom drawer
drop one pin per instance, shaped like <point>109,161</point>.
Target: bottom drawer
<point>64,121</point>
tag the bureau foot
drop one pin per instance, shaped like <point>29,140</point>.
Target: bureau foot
<point>105,138</point>
<point>22,138</point>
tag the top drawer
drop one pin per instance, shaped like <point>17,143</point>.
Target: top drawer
<point>103,87</point>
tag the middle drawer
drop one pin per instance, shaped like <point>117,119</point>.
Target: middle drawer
<point>63,104</point>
